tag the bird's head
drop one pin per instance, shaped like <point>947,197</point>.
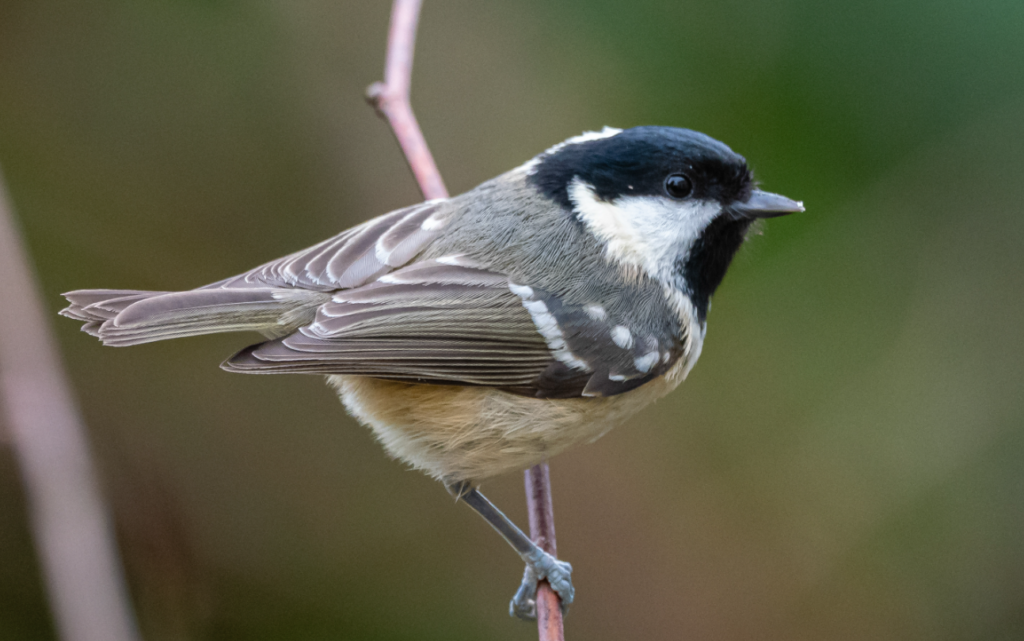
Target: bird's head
<point>673,203</point>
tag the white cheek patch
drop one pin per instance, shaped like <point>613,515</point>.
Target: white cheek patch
<point>648,232</point>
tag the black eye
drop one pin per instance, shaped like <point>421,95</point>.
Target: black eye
<point>678,186</point>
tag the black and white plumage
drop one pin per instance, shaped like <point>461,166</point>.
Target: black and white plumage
<point>489,331</point>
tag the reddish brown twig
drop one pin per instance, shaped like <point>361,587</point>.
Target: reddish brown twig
<point>542,531</point>
<point>391,100</point>
<point>69,521</point>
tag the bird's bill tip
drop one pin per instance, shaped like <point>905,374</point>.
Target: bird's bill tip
<point>763,204</point>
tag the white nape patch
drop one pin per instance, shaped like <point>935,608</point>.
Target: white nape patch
<point>622,337</point>
<point>531,165</point>
<point>596,312</point>
<point>647,361</point>
<point>548,327</point>
<point>648,232</point>
<point>586,136</point>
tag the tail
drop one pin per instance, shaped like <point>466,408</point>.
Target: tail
<point>121,317</point>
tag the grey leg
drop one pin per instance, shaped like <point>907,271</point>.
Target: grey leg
<point>539,564</point>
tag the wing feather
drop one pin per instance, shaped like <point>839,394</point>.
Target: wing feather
<point>449,321</point>
<point>429,322</point>
<point>354,257</point>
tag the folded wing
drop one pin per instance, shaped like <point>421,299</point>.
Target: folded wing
<point>430,322</point>
<point>452,322</point>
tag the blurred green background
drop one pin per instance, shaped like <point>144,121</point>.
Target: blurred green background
<point>846,461</point>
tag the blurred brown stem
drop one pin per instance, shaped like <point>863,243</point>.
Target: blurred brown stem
<point>542,531</point>
<point>70,523</point>
<point>391,100</point>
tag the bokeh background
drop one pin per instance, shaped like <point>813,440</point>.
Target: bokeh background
<point>846,461</point>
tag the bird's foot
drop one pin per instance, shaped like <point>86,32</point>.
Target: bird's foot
<point>541,566</point>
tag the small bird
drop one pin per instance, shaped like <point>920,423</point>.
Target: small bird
<point>487,332</point>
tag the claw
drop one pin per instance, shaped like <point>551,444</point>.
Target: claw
<point>524,603</point>
<point>542,566</point>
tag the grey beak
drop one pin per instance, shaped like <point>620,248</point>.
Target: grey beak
<point>762,204</point>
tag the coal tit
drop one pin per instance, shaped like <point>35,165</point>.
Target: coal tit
<point>487,332</point>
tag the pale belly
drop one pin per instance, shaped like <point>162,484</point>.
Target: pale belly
<point>464,433</point>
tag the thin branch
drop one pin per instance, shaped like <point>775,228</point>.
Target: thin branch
<point>542,531</point>
<point>391,100</point>
<point>70,523</point>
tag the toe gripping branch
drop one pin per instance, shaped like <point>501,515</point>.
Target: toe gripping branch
<point>540,566</point>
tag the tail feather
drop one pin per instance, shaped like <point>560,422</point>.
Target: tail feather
<point>92,328</point>
<point>101,304</point>
<point>130,317</point>
<point>86,297</point>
